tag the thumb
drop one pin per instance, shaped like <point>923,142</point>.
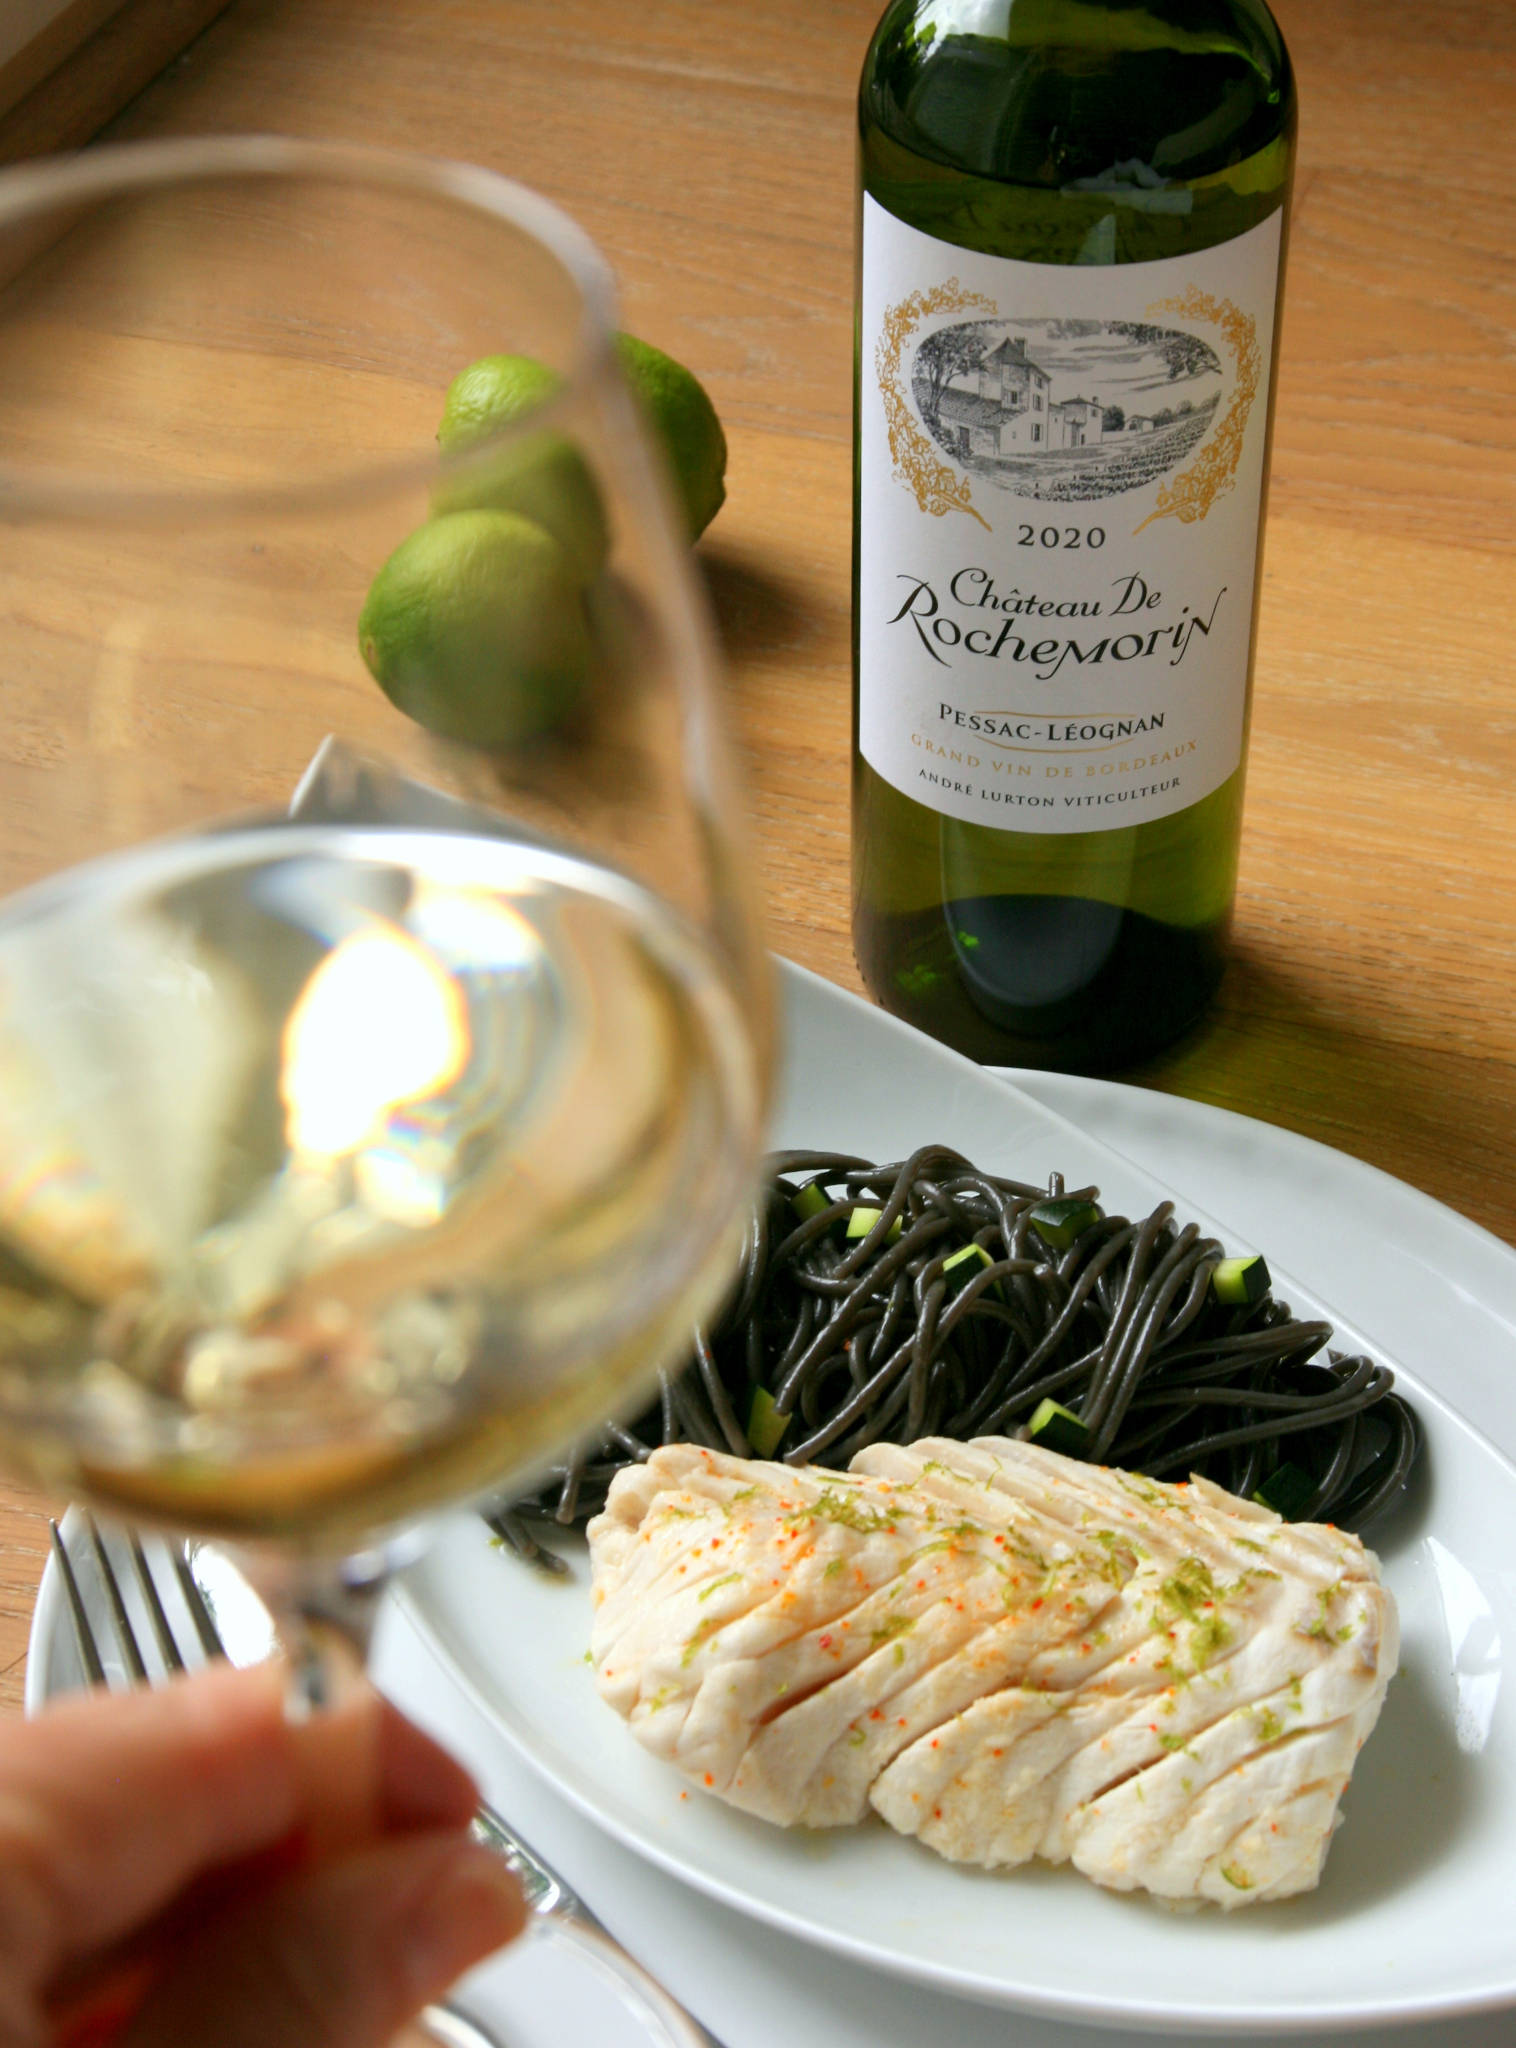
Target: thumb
<point>341,1956</point>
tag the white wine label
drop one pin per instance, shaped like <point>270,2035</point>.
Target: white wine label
<point>1062,468</point>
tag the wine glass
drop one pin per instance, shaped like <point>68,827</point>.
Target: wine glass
<point>384,1026</point>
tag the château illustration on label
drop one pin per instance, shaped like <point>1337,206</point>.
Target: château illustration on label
<point>1071,240</point>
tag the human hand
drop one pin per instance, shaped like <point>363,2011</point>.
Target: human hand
<point>190,1865</point>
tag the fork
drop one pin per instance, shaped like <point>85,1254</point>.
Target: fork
<point>557,1907</point>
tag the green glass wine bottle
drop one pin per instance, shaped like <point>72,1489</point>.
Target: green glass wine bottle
<point>1071,245</point>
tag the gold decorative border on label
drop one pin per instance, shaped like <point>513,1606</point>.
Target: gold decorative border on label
<point>935,487</point>
<point>1193,491</point>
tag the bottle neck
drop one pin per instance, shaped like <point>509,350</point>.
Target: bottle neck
<point>1080,94</point>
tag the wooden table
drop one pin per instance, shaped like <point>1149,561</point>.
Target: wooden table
<point>708,147</point>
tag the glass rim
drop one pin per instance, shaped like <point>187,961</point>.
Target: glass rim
<point>32,190</point>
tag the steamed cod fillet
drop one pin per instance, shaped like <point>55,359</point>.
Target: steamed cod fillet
<point>1006,1653</point>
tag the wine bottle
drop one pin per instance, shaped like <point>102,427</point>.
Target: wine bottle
<point>1071,245</point>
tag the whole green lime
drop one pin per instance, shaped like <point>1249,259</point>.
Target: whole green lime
<point>685,421</point>
<point>476,628</point>
<point>542,475</point>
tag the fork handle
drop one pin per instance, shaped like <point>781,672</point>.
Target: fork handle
<point>559,1912</point>
<point>668,2022</point>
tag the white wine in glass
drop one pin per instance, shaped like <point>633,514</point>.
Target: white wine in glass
<point>349,1169</point>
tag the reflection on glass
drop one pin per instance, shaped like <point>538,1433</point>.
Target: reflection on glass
<point>1474,1645</point>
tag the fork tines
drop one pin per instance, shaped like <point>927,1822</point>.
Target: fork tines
<point>149,1602</point>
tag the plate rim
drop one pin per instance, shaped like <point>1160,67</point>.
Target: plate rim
<point>1031,1080</point>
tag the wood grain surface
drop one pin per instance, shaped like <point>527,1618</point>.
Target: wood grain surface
<point>708,148</point>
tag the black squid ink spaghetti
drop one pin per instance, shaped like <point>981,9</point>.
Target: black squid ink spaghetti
<point>930,1298</point>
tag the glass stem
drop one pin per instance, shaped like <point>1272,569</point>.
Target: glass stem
<point>324,1610</point>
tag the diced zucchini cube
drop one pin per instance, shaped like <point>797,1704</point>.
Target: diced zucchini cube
<point>1057,1428</point>
<point>960,1267</point>
<point>1059,1222</point>
<point>766,1424</point>
<point>862,1221</point>
<point>1287,1490</point>
<point>1238,1283</point>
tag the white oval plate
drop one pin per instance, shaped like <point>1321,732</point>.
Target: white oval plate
<point>1411,1920</point>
